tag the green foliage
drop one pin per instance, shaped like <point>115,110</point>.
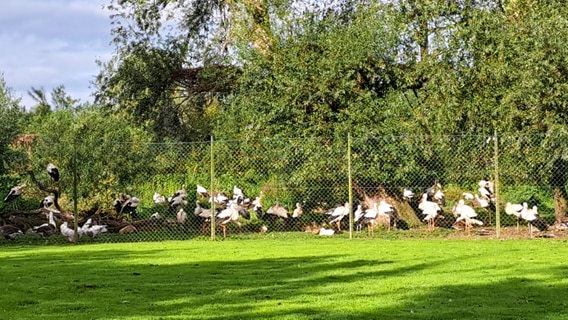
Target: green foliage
<point>105,152</point>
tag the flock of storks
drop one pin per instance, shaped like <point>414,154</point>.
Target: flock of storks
<point>11,231</point>
<point>428,207</point>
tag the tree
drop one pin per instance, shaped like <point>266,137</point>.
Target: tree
<point>105,152</point>
<point>12,118</point>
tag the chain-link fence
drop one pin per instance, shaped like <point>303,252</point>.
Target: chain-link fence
<point>351,185</point>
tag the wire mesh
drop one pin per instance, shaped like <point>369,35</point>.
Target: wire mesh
<point>218,189</point>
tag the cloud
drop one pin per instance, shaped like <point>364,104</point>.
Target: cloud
<point>47,43</point>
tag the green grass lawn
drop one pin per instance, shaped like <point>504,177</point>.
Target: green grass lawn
<point>280,277</point>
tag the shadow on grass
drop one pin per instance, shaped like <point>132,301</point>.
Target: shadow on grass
<point>122,284</point>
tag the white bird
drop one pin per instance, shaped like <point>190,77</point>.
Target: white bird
<point>47,202</point>
<point>430,209</point>
<point>514,209</point>
<point>238,193</point>
<point>387,211</point>
<point>358,217</point>
<point>202,191</point>
<point>481,202</point>
<point>155,215</point>
<point>203,215</point>
<point>440,197</point>
<point>370,217</point>
<point>326,232</point>
<point>298,211</point>
<point>466,214</point>
<point>276,211</point>
<point>229,214</point>
<point>67,232</point>
<point>15,192</point>
<point>95,230</point>
<point>53,171</point>
<point>486,189</point>
<point>467,196</point>
<point>337,214</point>
<point>158,198</point>
<point>91,230</point>
<point>531,216</point>
<point>219,199</point>
<point>407,194</point>
<point>181,216</point>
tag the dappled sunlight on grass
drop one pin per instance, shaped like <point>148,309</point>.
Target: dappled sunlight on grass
<point>286,279</point>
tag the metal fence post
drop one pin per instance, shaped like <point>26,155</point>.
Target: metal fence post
<point>350,185</point>
<point>75,192</point>
<point>212,172</point>
<point>496,184</point>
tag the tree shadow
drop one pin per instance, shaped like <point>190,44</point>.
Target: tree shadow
<point>121,284</point>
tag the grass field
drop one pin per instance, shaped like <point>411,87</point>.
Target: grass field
<point>281,277</point>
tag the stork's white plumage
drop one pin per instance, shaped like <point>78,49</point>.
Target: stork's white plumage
<point>358,217</point>
<point>47,202</point>
<point>298,211</point>
<point>158,198</point>
<point>514,209</point>
<point>467,196</point>
<point>439,197</point>
<point>230,214</point>
<point>67,232</point>
<point>202,191</point>
<point>481,202</point>
<point>407,194</point>
<point>337,214</point>
<point>326,232</point>
<point>430,209</point>
<point>370,217</point>
<point>277,211</point>
<point>95,230</point>
<point>386,210</point>
<point>53,171</point>
<point>533,219</point>
<point>181,216</point>
<point>15,192</point>
<point>466,214</point>
<point>90,229</point>
<point>238,193</point>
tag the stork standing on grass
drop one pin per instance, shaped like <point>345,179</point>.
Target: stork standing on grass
<point>467,214</point>
<point>530,215</point>
<point>229,214</point>
<point>430,209</point>
<point>358,218</point>
<point>387,211</point>
<point>370,217</point>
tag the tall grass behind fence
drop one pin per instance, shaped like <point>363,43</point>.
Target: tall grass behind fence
<point>308,174</point>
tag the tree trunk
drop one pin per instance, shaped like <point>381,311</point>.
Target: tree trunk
<point>560,197</point>
<point>558,178</point>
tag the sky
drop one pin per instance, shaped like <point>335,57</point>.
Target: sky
<point>48,43</point>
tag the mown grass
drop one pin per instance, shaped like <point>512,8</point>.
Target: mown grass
<point>280,277</point>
